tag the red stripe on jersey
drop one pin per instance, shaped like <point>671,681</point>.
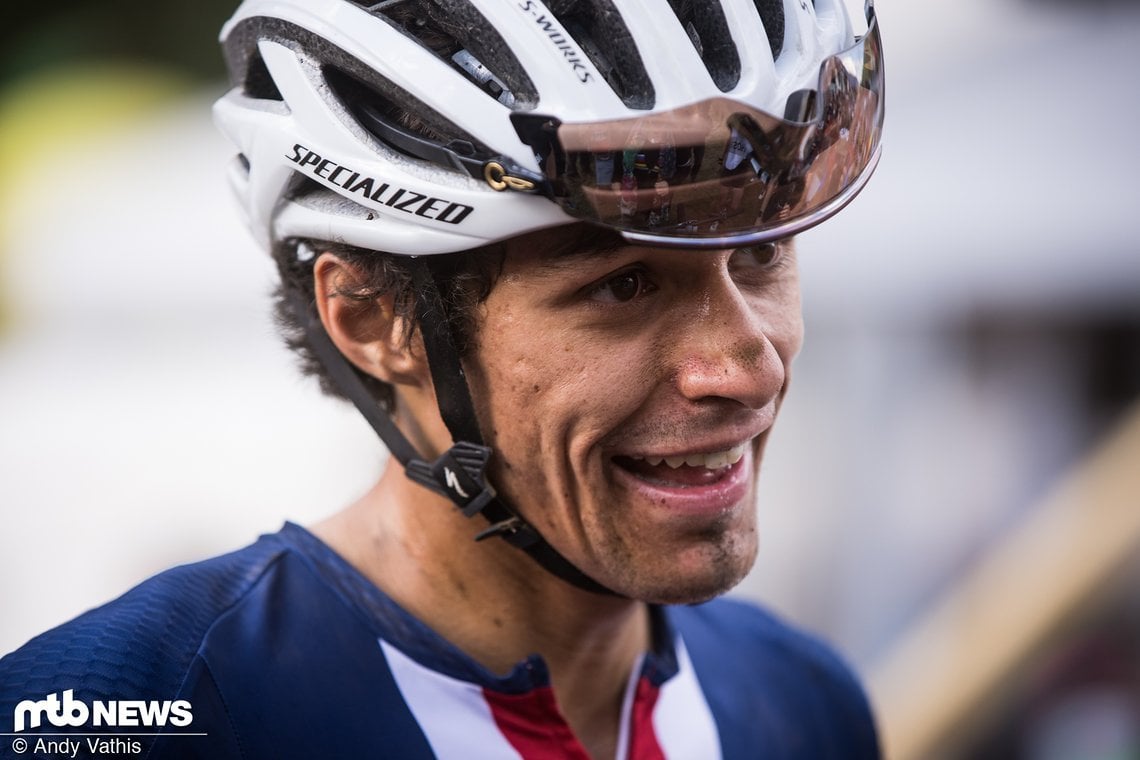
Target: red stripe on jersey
<point>643,743</point>
<point>534,726</point>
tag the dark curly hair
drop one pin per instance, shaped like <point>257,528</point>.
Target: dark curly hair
<point>467,280</point>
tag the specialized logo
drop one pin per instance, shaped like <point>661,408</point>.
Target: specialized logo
<point>452,481</point>
<point>398,198</point>
<point>552,29</point>
<point>69,711</point>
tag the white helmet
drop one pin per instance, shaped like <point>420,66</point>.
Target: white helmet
<point>435,126</point>
<point>635,114</point>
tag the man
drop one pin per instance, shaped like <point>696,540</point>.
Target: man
<point>576,372</point>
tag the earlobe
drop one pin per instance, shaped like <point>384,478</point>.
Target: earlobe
<point>365,329</point>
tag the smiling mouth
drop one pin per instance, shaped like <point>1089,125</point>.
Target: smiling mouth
<point>689,471</point>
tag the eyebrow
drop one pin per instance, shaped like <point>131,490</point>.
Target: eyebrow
<point>590,246</point>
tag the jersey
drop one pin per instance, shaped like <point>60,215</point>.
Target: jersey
<point>284,650</point>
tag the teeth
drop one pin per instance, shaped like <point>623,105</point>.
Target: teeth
<point>712,461</point>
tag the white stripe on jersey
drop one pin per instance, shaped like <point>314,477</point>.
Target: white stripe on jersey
<point>458,722</point>
<point>453,715</point>
<point>682,719</point>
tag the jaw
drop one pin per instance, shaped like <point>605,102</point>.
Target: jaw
<point>674,536</point>
<point>614,505</point>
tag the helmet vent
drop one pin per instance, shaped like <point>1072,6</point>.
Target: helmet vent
<point>387,120</point>
<point>301,186</point>
<point>459,35</point>
<point>355,94</point>
<point>258,82</point>
<point>772,14</point>
<point>705,24</point>
<point>598,28</point>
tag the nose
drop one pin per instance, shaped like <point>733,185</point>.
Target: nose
<point>734,348</point>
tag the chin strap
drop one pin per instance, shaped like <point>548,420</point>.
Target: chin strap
<point>460,472</point>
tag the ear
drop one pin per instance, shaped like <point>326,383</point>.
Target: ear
<point>366,331</point>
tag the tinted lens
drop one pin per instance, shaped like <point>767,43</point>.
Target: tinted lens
<point>719,173</point>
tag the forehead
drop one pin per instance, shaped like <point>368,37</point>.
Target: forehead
<point>567,246</point>
<point>573,247</point>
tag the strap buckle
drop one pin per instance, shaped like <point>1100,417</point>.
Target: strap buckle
<point>514,530</point>
<point>458,475</point>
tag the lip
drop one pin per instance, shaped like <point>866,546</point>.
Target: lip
<point>695,501</point>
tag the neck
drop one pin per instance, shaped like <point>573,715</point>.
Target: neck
<point>492,601</point>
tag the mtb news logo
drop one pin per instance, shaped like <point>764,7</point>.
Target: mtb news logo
<point>68,711</point>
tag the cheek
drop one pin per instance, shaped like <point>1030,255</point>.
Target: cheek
<point>787,337</point>
<point>547,405</point>
<point>790,336</point>
<point>784,324</point>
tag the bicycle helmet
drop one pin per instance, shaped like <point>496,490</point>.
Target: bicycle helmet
<point>419,127</point>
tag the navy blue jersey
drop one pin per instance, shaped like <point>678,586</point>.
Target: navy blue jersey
<point>283,650</point>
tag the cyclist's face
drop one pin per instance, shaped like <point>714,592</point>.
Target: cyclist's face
<point>628,394</point>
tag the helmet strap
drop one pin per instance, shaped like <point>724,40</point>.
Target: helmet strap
<point>459,473</point>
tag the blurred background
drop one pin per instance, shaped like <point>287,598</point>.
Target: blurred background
<point>953,493</point>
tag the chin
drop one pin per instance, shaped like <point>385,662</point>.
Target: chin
<point>714,571</point>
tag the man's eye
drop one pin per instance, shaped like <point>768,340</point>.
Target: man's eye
<point>764,259</point>
<point>622,287</point>
<point>764,255</point>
